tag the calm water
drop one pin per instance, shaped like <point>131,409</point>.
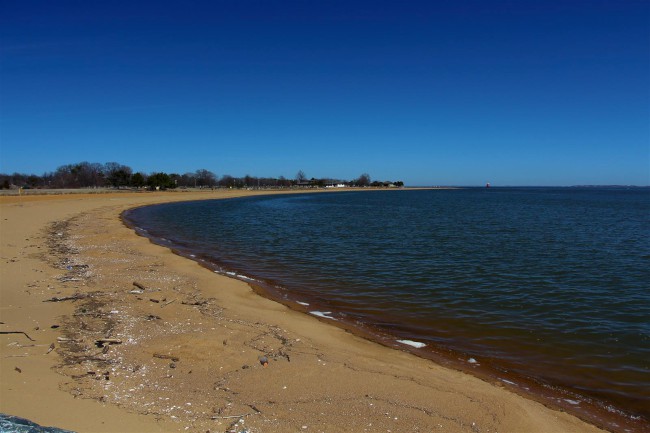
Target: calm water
<point>548,284</point>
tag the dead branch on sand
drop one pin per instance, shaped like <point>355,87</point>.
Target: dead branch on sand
<point>18,332</point>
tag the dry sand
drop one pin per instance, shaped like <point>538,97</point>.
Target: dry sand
<point>189,343</point>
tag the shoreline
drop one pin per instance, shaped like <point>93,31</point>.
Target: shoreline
<point>491,370</point>
<point>313,368</point>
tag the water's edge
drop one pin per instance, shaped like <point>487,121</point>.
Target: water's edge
<point>494,371</point>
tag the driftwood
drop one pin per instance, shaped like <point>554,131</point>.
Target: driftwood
<point>74,297</point>
<point>236,416</point>
<point>167,303</point>
<point>67,279</point>
<point>252,406</point>
<point>102,341</point>
<point>170,357</point>
<point>139,286</point>
<point>17,332</point>
<point>194,302</point>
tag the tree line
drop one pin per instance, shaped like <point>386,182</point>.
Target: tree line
<point>115,175</point>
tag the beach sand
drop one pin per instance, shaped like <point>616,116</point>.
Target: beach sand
<point>182,348</point>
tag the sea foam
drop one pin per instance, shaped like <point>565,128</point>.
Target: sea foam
<point>324,314</point>
<point>416,344</point>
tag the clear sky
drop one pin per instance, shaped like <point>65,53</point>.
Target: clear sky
<point>429,92</point>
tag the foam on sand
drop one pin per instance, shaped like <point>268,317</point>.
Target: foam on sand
<point>416,344</point>
<point>236,275</point>
<point>323,314</point>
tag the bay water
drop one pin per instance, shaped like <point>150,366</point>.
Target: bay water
<point>545,288</point>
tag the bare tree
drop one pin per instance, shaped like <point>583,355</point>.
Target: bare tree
<point>300,176</point>
<point>227,181</point>
<point>364,180</point>
<point>205,178</point>
<point>187,180</point>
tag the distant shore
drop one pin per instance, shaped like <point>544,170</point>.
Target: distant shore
<point>134,338</point>
<point>64,191</point>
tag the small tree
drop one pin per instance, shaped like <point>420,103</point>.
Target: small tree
<point>117,174</point>
<point>138,180</point>
<point>174,179</point>
<point>187,180</point>
<point>205,178</point>
<point>160,180</point>
<point>364,180</point>
<point>249,181</point>
<point>300,176</point>
<point>33,180</point>
<point>227,181</point>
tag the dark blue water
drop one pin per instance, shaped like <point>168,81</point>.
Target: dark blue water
<point>550,284</point>
<point>14,424</point>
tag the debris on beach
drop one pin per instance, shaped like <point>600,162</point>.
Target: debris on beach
<point>18,332</point>
<point>170,357</point>
<point>74,297</point>
<point>106,341</point>
<point>201,302</point>
<point>167,303</point>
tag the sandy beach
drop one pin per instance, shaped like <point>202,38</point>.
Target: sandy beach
<point>104,331</point>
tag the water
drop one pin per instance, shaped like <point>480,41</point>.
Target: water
<point>14,424</point>
<point>548,287</point>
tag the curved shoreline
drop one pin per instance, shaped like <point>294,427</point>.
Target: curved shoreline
<point>316,367</point>
<point>493,371</point>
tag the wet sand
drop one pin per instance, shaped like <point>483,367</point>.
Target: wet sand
<point>129,337</point>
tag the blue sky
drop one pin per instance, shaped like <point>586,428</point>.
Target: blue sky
<point>429,92</point>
